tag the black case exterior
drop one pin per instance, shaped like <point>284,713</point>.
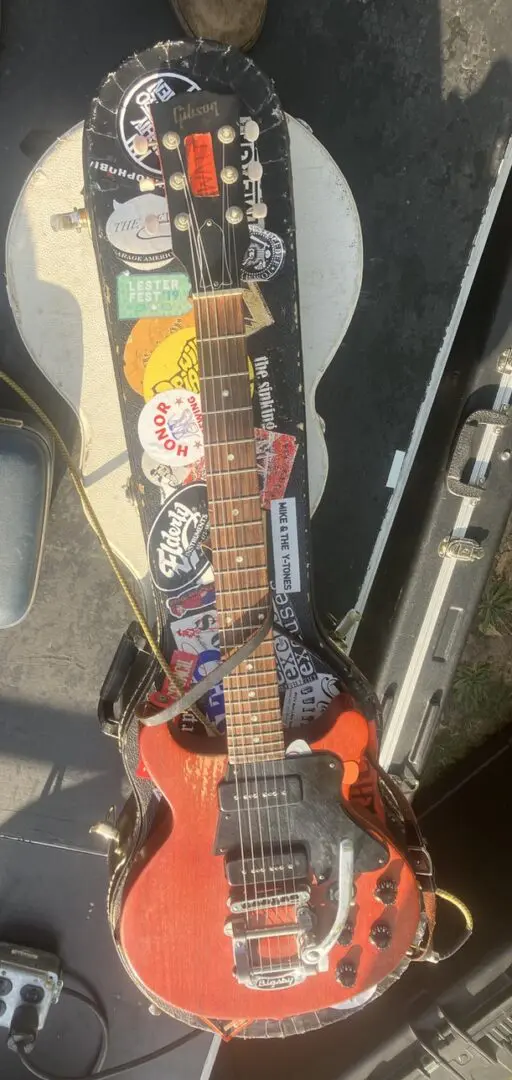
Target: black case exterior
<point>448,528</point>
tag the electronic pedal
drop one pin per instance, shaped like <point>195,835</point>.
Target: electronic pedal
<point>30,981</point>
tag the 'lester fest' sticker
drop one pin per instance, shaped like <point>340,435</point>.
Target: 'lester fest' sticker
<point>140,232</point>
<point>171,428</point>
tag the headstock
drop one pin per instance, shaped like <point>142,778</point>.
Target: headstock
<point>198,138</point>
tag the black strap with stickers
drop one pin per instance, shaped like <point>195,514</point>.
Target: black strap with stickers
<point>152,336</point>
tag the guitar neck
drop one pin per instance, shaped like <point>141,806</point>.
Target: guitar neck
<point>238,534</point>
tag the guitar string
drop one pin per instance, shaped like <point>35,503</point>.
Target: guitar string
<point>205,265</point>
<point>237,674</point>
<point>265,771</point>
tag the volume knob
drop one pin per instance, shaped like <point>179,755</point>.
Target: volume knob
<point>380,936</point>
<point>346,973</point>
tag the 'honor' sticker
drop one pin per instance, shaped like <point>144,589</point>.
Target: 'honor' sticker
<point>140,232</point>
<point>171,428</point>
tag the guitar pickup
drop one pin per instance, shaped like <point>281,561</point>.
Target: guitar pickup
<point>259,793</point>
<point>272,868</point>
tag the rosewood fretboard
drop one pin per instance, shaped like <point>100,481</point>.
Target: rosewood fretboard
<point>238,535</point>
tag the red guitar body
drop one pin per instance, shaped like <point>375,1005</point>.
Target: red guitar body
<point>175,906</point>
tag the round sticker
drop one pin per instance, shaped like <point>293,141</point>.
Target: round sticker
<point>142,342</point>
<point>171,428</point>
<point>140,233</point>
<point>134,113</point>
<point>174,365</point>
<point>264,256</point>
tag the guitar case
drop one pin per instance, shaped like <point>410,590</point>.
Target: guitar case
<point>148,313</point>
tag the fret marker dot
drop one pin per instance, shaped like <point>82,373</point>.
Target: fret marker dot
<point>248,667</point>
<point>235,512</point>
<point>255,719</point>
<point>252,693</point>
<point>225,393</point>
<point>229,620</point>
<point>256,738</point>
<point>231,457</point>
<point>261,617</point>
<point>239,558</point>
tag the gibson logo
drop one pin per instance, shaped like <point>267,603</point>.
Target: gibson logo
<point>187,112</point>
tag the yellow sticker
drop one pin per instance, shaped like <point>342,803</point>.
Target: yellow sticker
<point>174,365</point>
<point>143,340</point>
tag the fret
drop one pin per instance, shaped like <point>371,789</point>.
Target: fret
<point>229,498</point>
<point>220,337</point>
<point>227,375</point>
<point>226,412</point>
<point>231,472</point>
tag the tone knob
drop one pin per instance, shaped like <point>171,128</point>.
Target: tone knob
<point>346,973</point>
<point>346,935</point>
<point>380,935</point>
<point>386,891</point>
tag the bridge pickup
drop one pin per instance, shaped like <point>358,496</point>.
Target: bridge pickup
<point>260,792</point>
<point>272,869</point>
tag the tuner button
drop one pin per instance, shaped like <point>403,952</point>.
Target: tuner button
<point>234,215</point>
<point>226,134</point>
<point>386,891</point>
<point>259,210</point>
<point>140,145</point>
<point>380,936</point>
<point>255,170</point>
<point>171,140</point>
<point>182,222</point>
<point>147,184</point>
<point>177,181</point>
<point>346,973</point>
<point>251,130</point>
<point>229,175</point>
<point>151,224</point>
<point>346,935</point>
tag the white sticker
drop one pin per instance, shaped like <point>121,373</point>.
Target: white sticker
<point>197,633</point>
<point>140,233</point>
<point>283,516</point>
<point>162,476</point>
<point>305,703</point>
<point>171,428</point>
<point>134,116</point>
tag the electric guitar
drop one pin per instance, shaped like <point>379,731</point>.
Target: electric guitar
<point>272,884</point>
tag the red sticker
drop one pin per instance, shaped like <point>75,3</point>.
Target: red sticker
<point>276,454</point>
<point>182,664</point>
<point>201,170</point>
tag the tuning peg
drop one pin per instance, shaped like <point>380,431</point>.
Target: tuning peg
<point>147,183</point>
<point>141,145</point>
<point>229,175</point>
<point>226,134</point>
<point>234,215</point>
<point>182,222</point>
<point>75,219</point>
<point>171,140</point>
<point>251,130</point>
<point>259,210</point>
<point>255,170</point>
<point>177,181</point>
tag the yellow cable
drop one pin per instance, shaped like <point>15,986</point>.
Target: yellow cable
<point>96,527</point>
<point>462,907</point>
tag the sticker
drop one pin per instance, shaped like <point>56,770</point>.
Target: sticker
<point>175,553</point>
<point>163,477</point>
<point>305,703</point>
<point>201,168</point>
<point>265,395</point>
<point>182,665</point>
<point>171,428</point>
<point>294,663</point>
<point>140,232</point>
<point>275,455</point>
<point>264,256</point>
<point>113,170</point>
<point>215,708</point>
<point>134,113</point>
<point>258,312</point>
<point>200,598</point>
<point>197,633</point>
<point>144,338</point>
<point>174,365</point>
<point>283,517</point>
<point>284,612</point>
<point>140,296</point>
